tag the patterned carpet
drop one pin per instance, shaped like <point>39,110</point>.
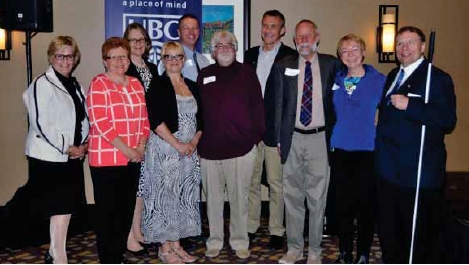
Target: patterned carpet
<point>82,249</point>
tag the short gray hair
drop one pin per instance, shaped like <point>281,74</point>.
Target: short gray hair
<point>217,36</point>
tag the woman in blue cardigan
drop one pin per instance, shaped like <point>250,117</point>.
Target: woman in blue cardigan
<point>356,94</point>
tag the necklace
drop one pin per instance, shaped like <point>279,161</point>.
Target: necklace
<point>350,84</point>
<point>140,64</point>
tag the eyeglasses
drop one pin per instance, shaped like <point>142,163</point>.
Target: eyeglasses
<point>176,57</point>
<point>63,57</point>
<point>408,43</point>
<point>135,41</point>
<point>224,46</point>
<point>354,50</point>
<point>116,58</point>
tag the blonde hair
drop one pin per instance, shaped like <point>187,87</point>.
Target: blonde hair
<point>351,37</point>
<point>171,45</point>
<point>59,42</point>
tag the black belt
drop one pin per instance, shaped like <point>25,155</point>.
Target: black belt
<point>313,131</point>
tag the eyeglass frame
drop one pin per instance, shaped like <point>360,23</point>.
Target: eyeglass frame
<point>116,58</point>
<point>61,57</point>
<point>354,50</point>
<point>177,57</point>
<point>220,46</point>
<point>135,41</point>
<point>408,43</point>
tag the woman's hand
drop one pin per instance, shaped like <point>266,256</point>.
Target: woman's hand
<point>79,152</point>
<point>131,153</point>
<point>194,142</point>
<point>183,148</point>
<point>193,145</point>
<point>134,155</point>
<point>141,149</point>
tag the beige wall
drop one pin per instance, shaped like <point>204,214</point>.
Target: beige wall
<point>84,20</point>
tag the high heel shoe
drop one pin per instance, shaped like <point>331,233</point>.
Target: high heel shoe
<point>141,253</point>
<point>183,255</point>
<point>169,257</point>
<point>48,259</point>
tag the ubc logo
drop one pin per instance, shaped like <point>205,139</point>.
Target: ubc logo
<point>160,28</point>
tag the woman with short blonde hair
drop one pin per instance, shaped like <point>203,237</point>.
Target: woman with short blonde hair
<point>171,168</point>
<point>57,143</point>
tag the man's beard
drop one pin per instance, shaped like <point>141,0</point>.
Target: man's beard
<point>226,58</point>
<point>312,48</point>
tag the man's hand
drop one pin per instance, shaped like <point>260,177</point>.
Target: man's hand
<point>400,101</point>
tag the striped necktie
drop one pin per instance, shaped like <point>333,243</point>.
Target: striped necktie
<point>307,98</point>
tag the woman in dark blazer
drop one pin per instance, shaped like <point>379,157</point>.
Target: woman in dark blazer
<point>147,73</point>
<point>171,169</point>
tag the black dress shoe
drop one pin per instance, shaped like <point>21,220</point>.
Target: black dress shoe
<point>187,244</point>
<point>48,259</point>
<point>345,258</point>
<point>251,236</point>
<point>362,259</point>
<point>141,253</point>
<point>276,242</point>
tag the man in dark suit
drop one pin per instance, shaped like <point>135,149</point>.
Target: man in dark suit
<point>402,113</point>
<point>307,118</point>
<point>262,58</point>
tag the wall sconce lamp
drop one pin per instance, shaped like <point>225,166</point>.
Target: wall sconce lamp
<point>386,33</point>
<point>5,44</point>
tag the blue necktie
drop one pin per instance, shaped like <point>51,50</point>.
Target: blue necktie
<point>397,85</point>
<point>307,98</point>
<point>196,64</point>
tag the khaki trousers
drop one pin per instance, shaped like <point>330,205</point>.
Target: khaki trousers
<point>274,177</point>
<point>305,175</point>
<point>234,174</point>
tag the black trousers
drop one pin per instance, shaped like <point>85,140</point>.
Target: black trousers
<point>355,186</point>
<point>115,191</point>
<point>396,207</point>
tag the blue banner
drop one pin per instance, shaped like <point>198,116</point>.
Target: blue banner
<point>159,17</point>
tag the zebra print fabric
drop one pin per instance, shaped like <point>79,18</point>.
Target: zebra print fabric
<point>171,190</point>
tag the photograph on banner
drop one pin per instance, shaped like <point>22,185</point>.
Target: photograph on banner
<point>222,15</point>
<point>159,17</point>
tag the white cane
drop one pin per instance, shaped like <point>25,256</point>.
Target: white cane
<point>422,143</point>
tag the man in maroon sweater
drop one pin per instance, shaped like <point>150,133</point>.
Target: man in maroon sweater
<point>233,117</point>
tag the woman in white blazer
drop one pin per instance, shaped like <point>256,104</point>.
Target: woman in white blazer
<point>57,143</point>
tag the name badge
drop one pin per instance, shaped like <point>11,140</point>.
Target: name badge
<point>291,72</point>
<point>209,79</point>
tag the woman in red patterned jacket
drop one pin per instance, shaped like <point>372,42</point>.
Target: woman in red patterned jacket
<point>118,134</point>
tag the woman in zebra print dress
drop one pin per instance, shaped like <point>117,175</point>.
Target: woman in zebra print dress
<point>147,73</point>
<point>171,169</point>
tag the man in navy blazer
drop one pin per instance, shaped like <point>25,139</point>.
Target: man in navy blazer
<point>262,59</point>
<point>307,119</point>
<point>402,113</point>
